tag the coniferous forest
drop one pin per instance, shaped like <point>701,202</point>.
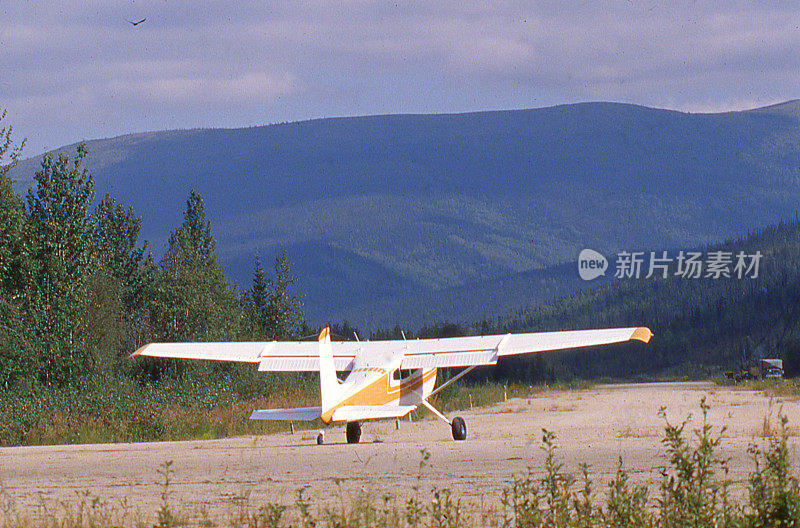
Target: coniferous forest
<point>702,326</point>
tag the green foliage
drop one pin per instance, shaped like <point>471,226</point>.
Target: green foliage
<point>114,407</point>
<point>192,244</point>
<point>304,507</point>
<point>12,226</point>
<point>166,519</point>
<point>15,349</point>
<point>549,500</point>
<point>78,294</point>
<point>284,311</point>
<point>9,153</point>
<point>275,310</point>
<point>692,494</point>
<point>259,295</point>
<point>774,490</point>
<point>694,490</point>
<point>105,318</point>
<point>191,301</point>
<point>60,238</point>
<point>626,504</point>
<point>115,239</point>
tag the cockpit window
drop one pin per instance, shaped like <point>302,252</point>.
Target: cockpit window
<point>401,374</point>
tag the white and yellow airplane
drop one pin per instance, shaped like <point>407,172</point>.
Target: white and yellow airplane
<point>385,379</point>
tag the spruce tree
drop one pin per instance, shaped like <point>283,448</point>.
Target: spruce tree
<point>192,301</point>
<point>284,311</point>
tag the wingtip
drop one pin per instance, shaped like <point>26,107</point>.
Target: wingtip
<point>642,334</point>
<point>139,352</point>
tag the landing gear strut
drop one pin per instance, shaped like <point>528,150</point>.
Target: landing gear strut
<point>457,424</point>
<point>459,427</point>
<point>353,432</point>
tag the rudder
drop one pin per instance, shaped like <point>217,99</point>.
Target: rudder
<point>328,382</point>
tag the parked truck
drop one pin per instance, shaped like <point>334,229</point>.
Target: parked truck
<point>759,369</point>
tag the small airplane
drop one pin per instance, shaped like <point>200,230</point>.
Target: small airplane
<point>385,379</point>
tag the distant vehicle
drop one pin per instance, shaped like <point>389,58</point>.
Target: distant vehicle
<point>386,379</point>
<point>761,369</point>
<point>771,368</point>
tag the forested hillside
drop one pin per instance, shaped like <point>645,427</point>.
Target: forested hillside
<point>701,326</point>
<point>442,209</point>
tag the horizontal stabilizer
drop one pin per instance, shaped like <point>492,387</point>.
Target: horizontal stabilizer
<point>298,413</point>
<point>354,413</point>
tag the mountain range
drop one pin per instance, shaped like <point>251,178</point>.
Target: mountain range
<point>411,219</point>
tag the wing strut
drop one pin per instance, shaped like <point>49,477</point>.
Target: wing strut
<point>455,378</point>
<point>432,409</point>
<point>458,376</point>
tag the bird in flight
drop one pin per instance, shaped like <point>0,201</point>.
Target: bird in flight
<point>135,23</point>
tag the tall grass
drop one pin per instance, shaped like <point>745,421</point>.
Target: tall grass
<point>121,409</point>
<point>200,403</point>
<point>772,387</point>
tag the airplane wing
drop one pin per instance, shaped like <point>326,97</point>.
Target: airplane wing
<point>275,356</point>
<point>296,356</point>
<point>485,350</point>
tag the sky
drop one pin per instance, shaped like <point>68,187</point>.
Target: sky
<point>79,70</point>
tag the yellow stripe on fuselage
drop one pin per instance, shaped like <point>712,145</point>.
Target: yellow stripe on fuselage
<point>379,392</point>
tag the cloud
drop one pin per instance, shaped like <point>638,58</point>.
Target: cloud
<point>73,72</point>
<point>172,90</point>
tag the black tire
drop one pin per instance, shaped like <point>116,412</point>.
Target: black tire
<point>459,427</point>
<point>353,432</point>
<point>320,439</point>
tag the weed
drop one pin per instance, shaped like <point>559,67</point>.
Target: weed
<point>443,511</point>
<point>166,519</point>
<point>626,505</point>
<point>774,491</point>
<point>690,490</point>
<point>415,509</point>
<point>304,508</point>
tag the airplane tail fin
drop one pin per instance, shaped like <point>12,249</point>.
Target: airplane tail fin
<point>328,382</point>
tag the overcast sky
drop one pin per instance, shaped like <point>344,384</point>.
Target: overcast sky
<point>79,70</point>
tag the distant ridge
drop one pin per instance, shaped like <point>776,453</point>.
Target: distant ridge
<point>380,208</point>
<point>788,108</point>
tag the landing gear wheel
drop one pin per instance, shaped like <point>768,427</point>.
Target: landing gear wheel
<point>353,432</point>
<point>459,427</point>
<point>320,438</point>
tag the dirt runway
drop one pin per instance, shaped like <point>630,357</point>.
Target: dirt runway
<point>596,426</point>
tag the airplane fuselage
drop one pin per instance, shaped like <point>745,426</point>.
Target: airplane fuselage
<point>376,383</point>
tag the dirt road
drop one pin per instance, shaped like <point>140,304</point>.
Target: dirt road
<point>595,426</point>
